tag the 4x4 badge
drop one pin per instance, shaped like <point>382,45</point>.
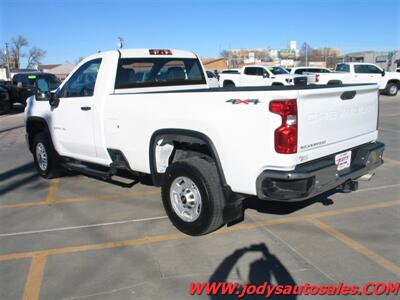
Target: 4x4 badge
<point>243,101</point>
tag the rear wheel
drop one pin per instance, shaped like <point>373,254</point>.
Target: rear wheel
<point>192,196</point>
<point>392,89</point>
<point>45,157</point>
<point>229,84</point>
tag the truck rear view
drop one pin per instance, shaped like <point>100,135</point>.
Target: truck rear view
<point>331,137</point>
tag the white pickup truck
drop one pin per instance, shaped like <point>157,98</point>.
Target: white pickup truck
<point>257,75</point>
<point>149,114</point>
<point>388,82</point>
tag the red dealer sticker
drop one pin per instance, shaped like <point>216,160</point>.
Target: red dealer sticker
<point>343,160</point>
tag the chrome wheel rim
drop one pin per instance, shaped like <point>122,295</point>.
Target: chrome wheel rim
<point>393,90</point>
<point>41,156</point>
<point>185,199</point>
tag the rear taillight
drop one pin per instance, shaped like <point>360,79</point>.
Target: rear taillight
<point>286,134</point>
<point>317,78</point>
<point>160,52</point>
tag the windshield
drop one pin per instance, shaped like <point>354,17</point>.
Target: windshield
<point>52,80</point>
<point>277,70</point>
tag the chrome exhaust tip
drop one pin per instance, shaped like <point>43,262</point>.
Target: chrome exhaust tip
<point>366,177</point>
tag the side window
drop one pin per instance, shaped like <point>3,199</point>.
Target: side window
<point>210,74</point>
<point>54,82</point>
<point>366,69</point>
<point>24,80</point>
<point>83,81</point>
<point>254,71</point>
<point>373,69</point>
<point>299,71</point>
<point>16,78</point>
<point>260,72</point>
<point>250,71</point>
<point>343,68</point>
<point>359,69</point>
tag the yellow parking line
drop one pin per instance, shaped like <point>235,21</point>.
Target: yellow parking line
<point>80,199</point>
<point>24,205</point>
<point>389,115</point>
<point>375,257</point>
<point>392,161</point>
<point>102,246</point>
<point>176,236</point>
<point>390,130</point>
<point>107,197</point>
<point>51,195</point>
<point>321,214</point>
<point>35,278</point>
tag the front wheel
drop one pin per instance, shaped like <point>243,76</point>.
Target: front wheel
<point>391,89</point>
<point>45,157</point>
<point>192,196</point>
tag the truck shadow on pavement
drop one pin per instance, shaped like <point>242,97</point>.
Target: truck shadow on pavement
<point>285,208</point>
<point>265,268</point>
<point>14,177</point>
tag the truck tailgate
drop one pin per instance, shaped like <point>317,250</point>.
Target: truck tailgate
<point>334,115</point>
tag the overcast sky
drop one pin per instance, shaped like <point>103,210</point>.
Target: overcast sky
<point>74,28</point>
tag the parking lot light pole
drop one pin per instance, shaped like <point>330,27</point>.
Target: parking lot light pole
<point>7,60</point>
<point>306,55</point>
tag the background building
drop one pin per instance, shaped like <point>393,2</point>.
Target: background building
<point>387,60</point>
<point>214,64</point>
<point>60,70</point>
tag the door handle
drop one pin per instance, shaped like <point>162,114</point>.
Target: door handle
<point>348,95</point>
<point>85,108</point>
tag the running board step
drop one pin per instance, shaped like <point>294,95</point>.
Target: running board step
<point>87,170</point>
<point>102,175</point>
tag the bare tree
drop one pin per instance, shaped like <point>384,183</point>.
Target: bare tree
<point>305,53</point>
<point>16,50</point>
<point>35,57</point>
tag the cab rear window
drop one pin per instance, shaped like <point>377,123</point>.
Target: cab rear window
<point>153,72</point>
<point>342,68</point>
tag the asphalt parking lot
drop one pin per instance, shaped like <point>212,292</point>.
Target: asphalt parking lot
<point>79,238</point>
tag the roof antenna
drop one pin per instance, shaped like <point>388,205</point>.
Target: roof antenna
<point>120,43</point>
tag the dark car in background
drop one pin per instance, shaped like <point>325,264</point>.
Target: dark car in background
<point>24,85</point>
<point>5,101</point>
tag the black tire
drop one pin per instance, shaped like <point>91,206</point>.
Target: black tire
<point>229,84</point>
<point>52,168</point>
<point>5,107</point>
<point>392,89</point>
<point>205,176</point>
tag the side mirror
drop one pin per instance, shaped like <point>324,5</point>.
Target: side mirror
<point>54,100</point>
<point>42,90</point>
<point>383,73</point>
<point>265,75</point>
